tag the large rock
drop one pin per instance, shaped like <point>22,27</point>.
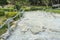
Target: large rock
<point>36,29</point>
<point>37,25</point>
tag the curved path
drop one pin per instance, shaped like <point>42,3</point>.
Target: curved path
<point>37,25</point>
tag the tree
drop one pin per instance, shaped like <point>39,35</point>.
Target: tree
<point>46,2</point>
<point>23,2</point>
<point>3,2</point>
<point>11,1</point>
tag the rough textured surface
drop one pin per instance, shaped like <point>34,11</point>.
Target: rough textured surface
<point>37,25</point>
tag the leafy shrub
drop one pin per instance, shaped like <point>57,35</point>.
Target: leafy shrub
<point>4,19</point>
<point>8,9</point>
<point>36,8</point>
<point>39,8</point>
<point>2,13</point>
<point>1,23</point>
<point>26,8</point>
<point>53,10</point>
<point>3,30</point>
<point>10,14</point>
<point>3,2</point>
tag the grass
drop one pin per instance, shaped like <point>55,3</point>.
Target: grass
<point>2,19</point>
<point>44,8</point>
<point>53,10</point>
<point>3,30</point>
<point>34,8</point>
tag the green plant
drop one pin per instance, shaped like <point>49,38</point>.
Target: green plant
<point>4,19</point>
<point>53,10</point>
<point>3,2</point>
<point>37,8</point>
<point>10,14</point>
<point>8,9</point>
<point>3,30</point>
<point>1,23</point>
<point>2,13</point>
<point>26,8</point>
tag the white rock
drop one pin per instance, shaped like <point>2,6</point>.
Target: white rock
<point>36,29</point>
<point>23,27</point>
<point>41,25</point>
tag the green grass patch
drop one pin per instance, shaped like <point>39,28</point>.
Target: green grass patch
<point>3,30</point>
<point>10,14</point>
<point>2,19</point>
<point>53,10</point>
<point>34,8</point>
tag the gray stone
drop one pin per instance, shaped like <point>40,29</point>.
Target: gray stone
<point>36,29</point>
<point>40,25</point>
